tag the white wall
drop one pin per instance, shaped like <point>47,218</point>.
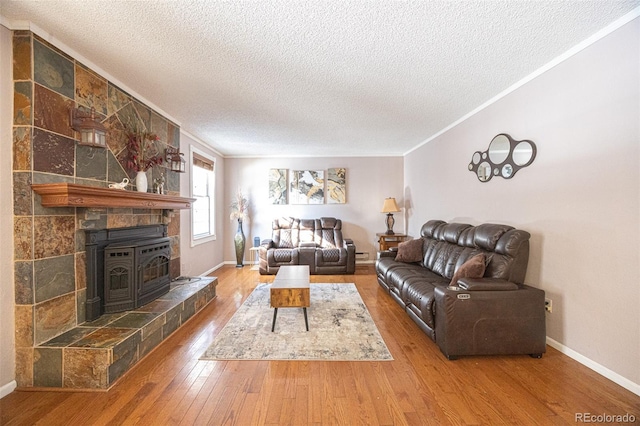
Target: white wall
<point>202,258</point>
<point>7,346</point>
<point>369,181</point>
<point>580,199</point>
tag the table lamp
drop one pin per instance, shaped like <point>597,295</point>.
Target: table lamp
<point>389,207</point>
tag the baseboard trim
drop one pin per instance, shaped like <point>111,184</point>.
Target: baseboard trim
<point>215,268</point>
<point>233,262</point>
<point>598,368</point>
<point>8,388</point>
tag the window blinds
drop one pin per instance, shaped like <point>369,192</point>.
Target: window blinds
<point>202,162</point>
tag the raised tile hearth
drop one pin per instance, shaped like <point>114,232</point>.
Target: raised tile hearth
<point>95,354</point>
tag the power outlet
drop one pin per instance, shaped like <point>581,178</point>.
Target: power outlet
<point>548,305</point>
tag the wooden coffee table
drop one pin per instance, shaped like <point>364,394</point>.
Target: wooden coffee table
<point>290,289</point>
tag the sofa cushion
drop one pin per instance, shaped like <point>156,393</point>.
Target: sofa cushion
<point>428,230</point>
<point>487,235</point>
<point>418,296</point>
<point>452,231</point>
<point>410,251</point>
<point>330,222</point>
<point>285,232</point>
<point>283,255</point>
<point>472,268</point>
<point>307,231</point>
<point>328,232</point>
<point>396,278</point>
<point>384,264</point>
<point>330,255</point>
<point>328,238</point>
<point>442,258</point>
<point>392,272</point>
<point>285,238</point>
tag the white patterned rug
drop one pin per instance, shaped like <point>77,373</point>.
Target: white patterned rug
<point>340,329</point>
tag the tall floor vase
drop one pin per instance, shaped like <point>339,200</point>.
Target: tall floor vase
<point>239,241</point>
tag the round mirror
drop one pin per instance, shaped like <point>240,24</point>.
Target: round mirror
<point>476,158</point>
<point>522,153</point>
<point>507,171</point>
<point>484,171</point>
<point>470,166</point>
<point>496,171</point>
<point>499,149</point>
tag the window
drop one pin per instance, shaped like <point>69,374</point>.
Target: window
<point>203,190</point>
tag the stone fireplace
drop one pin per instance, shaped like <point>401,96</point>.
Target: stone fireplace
<point>53,297</point>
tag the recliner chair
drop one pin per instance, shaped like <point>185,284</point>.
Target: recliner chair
<point>318,243</point>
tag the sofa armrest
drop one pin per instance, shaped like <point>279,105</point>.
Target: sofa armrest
<point>350,246</point>
<point>485,284</point>
<point>490,322</point>
<point>387,253</point>
<point>267,244</point>
<point>307,245</point>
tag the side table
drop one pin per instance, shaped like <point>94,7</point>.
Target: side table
<point>390,240</point>
<point>255,255</point>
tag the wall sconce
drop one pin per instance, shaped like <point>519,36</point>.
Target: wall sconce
<point>174,159</point>
<point>92,131</point>
<point>389,207</point>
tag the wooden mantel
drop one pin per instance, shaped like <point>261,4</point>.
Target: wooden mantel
<point>73,195</point>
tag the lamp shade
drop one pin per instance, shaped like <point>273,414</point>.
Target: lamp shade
<point>390,206</point>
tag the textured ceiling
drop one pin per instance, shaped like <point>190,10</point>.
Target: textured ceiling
<point>335,77</point>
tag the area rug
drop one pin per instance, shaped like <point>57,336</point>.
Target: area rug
<point>340,329</point>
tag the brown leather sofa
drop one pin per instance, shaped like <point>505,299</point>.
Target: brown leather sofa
<point>315,242</point>
<point>494,314</point>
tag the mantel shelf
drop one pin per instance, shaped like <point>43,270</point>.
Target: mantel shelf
<point>72,195</point>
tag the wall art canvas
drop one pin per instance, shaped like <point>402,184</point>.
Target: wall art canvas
<point>337,186</point>
<point>306,187</point>
<point>278,186</point>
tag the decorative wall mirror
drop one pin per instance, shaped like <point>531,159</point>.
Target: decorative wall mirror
<point>504,157</point>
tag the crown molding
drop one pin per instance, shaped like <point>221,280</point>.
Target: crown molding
<point>558,60</point>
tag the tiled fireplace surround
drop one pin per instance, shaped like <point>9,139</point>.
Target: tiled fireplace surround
<point>50,258</point>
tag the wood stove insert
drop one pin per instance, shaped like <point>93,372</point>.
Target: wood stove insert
<point>137,271</point>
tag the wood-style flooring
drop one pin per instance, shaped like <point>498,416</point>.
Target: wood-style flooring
<point>171,386</point>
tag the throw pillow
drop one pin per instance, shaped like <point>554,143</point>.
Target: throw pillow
<point>410,251</point>
<point>473,268</point>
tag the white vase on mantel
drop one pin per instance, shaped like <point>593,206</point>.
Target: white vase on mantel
<point>141,181</point>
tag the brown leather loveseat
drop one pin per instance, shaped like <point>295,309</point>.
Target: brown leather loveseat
<point>493,313</point>
<point>315,242</point>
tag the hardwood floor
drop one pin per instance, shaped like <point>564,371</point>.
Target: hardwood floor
<point>171,386</point>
